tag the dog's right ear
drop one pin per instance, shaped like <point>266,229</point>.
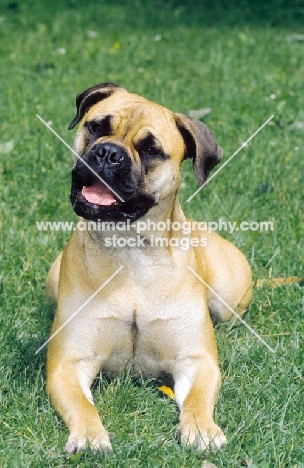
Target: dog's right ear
<point>91,96</point>
<point>200,145</point>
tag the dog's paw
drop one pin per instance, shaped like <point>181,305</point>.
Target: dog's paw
<point>97,444</point>
<point>200,437</point>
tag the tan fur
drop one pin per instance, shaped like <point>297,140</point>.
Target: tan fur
<point>155,290</point>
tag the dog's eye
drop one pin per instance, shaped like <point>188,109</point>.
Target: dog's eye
<point>152,151</point>
<point>149,147</point>
<point>100,128</point>
<point>96,128</point>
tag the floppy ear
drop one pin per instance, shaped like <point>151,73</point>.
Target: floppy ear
<point>91,96</point>
<point>200,146</point>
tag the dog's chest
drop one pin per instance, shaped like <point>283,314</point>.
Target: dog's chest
<point>147,321</point>
<point>146,316</point>
<point>149,335</point>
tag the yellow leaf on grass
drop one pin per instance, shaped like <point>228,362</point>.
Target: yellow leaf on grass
<point>167,391</point>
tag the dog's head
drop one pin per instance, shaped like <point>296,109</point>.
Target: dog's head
<point>130,151</point>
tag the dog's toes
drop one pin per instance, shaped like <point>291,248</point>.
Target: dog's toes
<point>72,446</point>
<point>218,440</point>
<point>203,439</point>
<point>101,445</point>
<point>97,444</point>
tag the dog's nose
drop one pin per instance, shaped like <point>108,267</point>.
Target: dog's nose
<point>110,154</point>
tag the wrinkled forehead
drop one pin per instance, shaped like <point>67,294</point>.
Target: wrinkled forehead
<point>131,117</point>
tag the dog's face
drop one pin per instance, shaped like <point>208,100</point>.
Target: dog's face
<point>136,147</point>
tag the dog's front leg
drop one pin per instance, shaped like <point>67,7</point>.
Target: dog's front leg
<point>197,382</point>
<point>68,384</point>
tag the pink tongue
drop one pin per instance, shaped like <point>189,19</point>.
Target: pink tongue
<point>98,194</point>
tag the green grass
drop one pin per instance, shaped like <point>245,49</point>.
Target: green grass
<point>244,62</point>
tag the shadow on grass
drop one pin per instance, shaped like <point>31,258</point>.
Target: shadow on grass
<point>170,13</point>
<point>23,360</point>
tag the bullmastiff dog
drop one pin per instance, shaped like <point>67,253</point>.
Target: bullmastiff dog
<point>133,303</point>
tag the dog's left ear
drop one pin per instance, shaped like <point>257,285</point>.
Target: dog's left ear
<point>200,146</point>
<point>91,96</point>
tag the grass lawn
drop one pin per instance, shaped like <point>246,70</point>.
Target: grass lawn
<point>245,62</point>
